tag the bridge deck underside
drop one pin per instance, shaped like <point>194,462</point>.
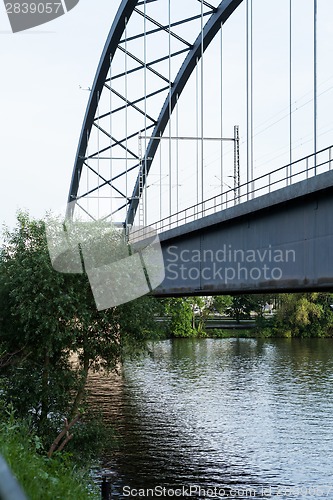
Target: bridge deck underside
<point>279,242</point>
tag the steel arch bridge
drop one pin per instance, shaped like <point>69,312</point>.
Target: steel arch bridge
<point>155,50</point>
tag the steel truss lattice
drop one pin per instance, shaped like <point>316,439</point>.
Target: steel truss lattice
<point>146,63</point>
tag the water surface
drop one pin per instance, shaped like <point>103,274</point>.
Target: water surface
<point>238,418</point>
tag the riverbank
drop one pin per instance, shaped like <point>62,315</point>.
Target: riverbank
<point>222,333</point>
<point>56,478</point>
<point>258,333</point>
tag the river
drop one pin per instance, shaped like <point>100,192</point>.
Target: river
<point>236,418</point>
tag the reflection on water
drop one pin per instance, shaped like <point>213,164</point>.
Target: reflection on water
<point>229,413</point>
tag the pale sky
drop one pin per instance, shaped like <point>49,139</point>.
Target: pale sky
<point>42,106</point>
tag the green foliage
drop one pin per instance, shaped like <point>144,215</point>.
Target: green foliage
<point>305,315</point>
<point>187,316</point>
<point>39,476</point>
<point>181,317</point>
<point>242,306</point>
<point>221,304</point>
<point>91,439</point>
<point>294,315</point>
<point>220,333</point>
<point>46,318</point>
<point>202,306</point>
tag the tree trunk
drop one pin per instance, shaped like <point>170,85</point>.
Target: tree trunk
<point>82,385</point>
<point>45,388</point>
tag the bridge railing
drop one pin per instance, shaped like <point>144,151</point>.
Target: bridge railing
<point>299,170</point>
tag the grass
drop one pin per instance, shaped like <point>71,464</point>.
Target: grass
<point>220,333</point>
<point>40,477</point>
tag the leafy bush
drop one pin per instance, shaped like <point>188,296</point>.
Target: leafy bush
<point>55,478</point>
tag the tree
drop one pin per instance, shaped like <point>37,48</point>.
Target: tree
<point>242,306</point>
<point>201,307</point>
<point>187,315</point>
<point>47,318</point>
<point>221,304</point>
<point>305,314</point>
<point>181,320</point>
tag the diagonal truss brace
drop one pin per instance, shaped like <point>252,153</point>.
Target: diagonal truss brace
<point>212,27</point>
<point>218,16</point>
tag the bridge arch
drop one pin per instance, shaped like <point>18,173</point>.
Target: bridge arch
<point>115,42</point>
